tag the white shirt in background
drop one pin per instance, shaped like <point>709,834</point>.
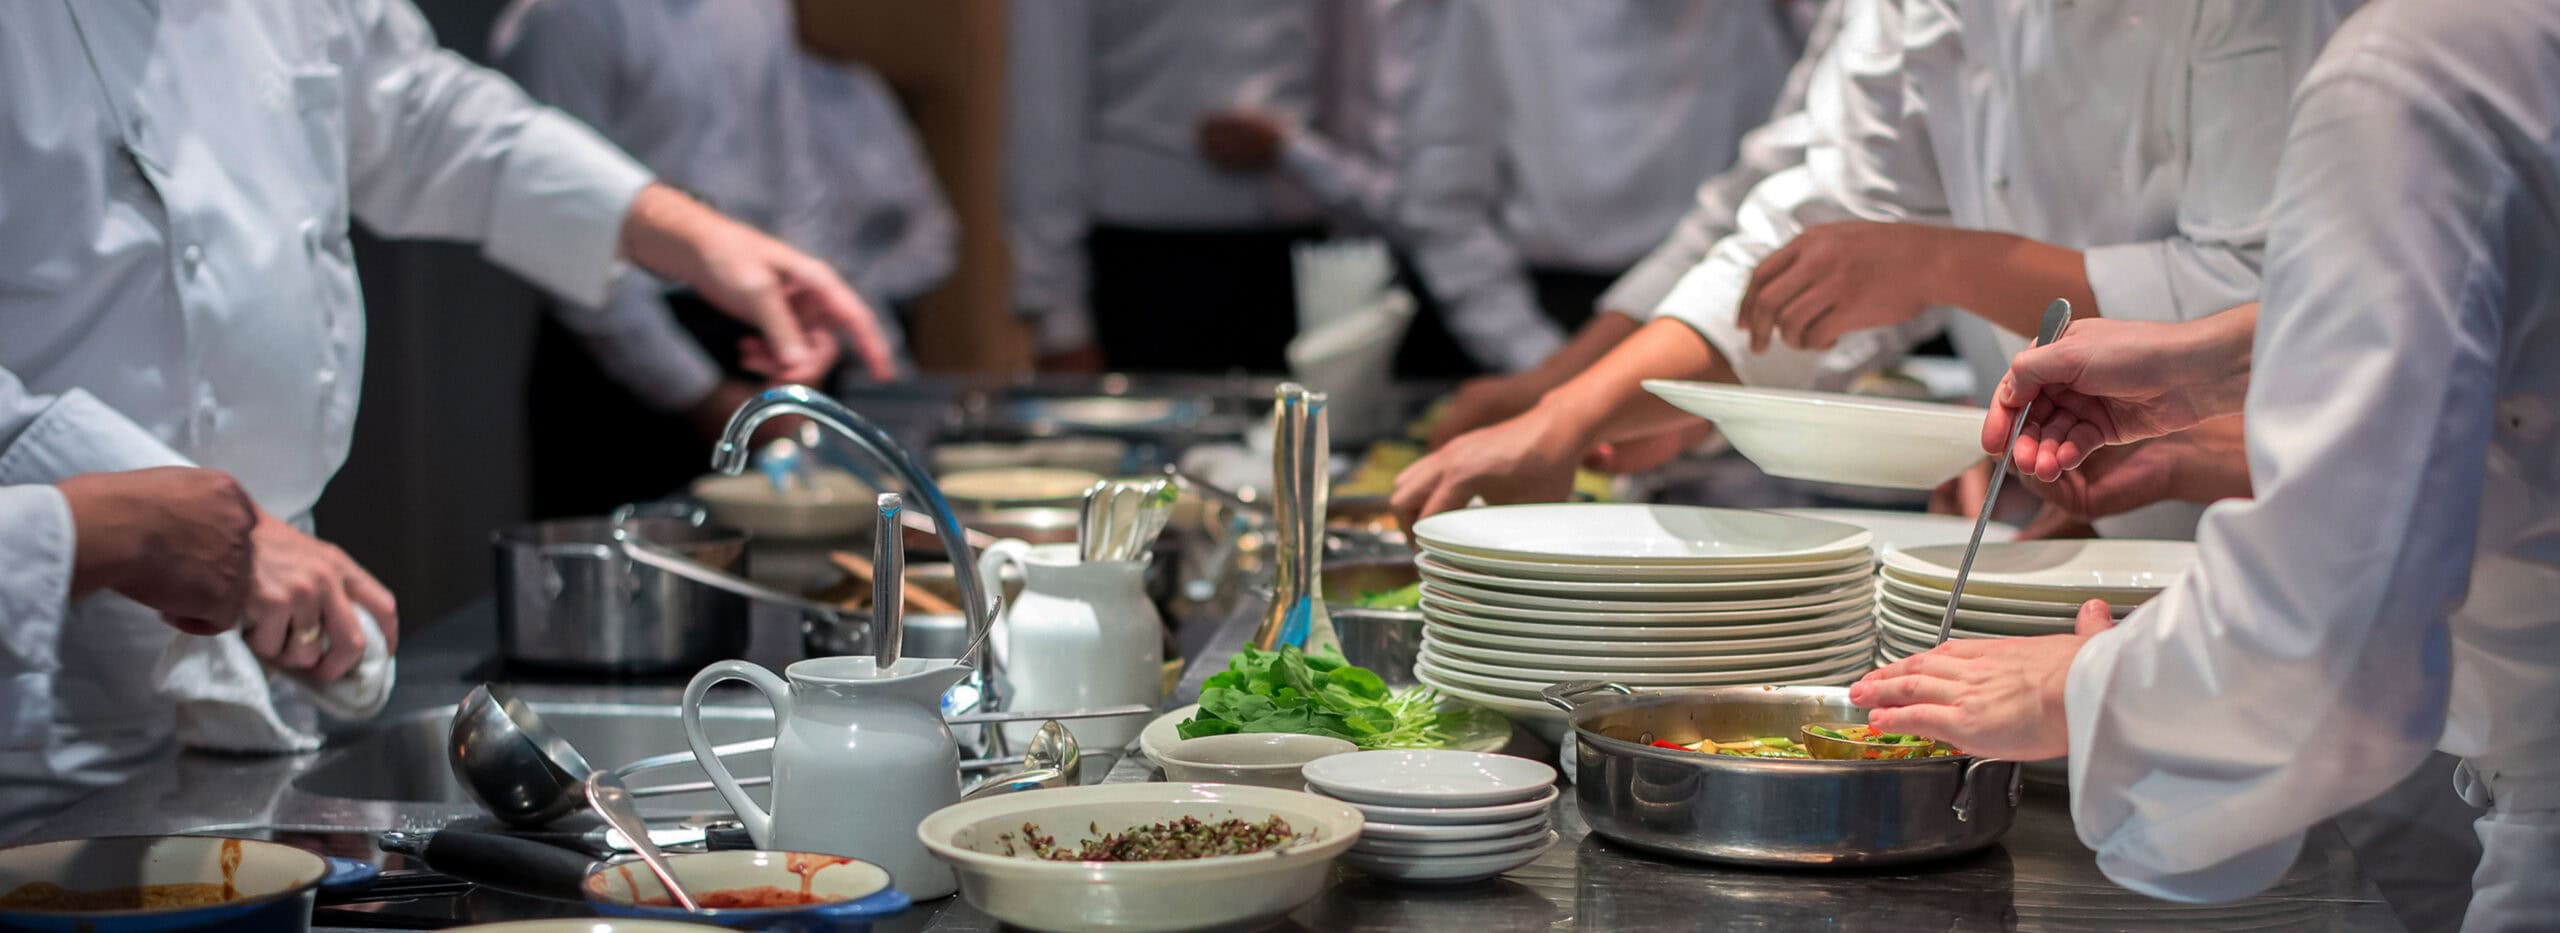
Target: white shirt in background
<point>1105,97</point>
<point>1568,134</point>
<point>2404,443</point>
<point>1349,161</point>
<point>719,99</point>
<point>176,283</point>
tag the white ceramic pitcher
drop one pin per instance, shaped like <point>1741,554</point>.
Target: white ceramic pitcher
<point>862,756</point>
<point>1081,635</point>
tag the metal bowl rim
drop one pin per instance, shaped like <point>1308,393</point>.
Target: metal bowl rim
<point>1805,766</point>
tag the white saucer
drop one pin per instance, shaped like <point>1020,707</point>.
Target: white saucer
<point>1455,848</point>
<point>1412,817</point>
<point>1430,778</point>
<point>1446,870</point>
<point>1380,830</point>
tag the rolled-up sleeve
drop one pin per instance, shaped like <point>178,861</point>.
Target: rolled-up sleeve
<point>440,147</point>
<point>36,545</point>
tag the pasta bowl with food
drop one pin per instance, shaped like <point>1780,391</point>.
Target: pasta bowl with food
<point>130,884</point>
<point>789,892</point>
<point>1139,857</point>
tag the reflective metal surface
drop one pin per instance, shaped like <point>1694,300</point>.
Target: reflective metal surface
<point>567,598</point>
<point>506,758</point>
<point>1383,640</point>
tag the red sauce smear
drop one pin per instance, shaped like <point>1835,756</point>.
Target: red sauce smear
<point>230,869</point>
<point>808,867</point>
<point>745,898</point>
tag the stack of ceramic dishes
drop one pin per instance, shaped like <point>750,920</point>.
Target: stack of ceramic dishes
<point>1438,816</point>
<point>1517,598</point>
<point>2017,588</point>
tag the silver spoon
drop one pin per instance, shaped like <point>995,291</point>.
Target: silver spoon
<point>613,801</point>
<point>2057,317</point>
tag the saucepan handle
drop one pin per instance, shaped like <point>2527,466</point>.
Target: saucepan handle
<point>1963,805</point>
<point>1562,696</point>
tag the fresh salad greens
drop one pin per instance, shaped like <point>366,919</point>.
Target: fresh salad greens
<point>1408,596</point>
<point>1314,694</point>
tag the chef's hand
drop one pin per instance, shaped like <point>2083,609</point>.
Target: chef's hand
<point>305,589</point>
<point>2112,382</point>
<point>175,539</point>
<point>1647,453</point>
<point>1992,697</point>
<point>797,303</point>
<point>1962,495</point>
<point>1838,278</point>
<point>2203,464</point>
<point>1485,401</point>
<point>1530,458</point>
<point>1241,140</point>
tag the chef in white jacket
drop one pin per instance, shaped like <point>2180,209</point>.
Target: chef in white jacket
<point>2390,588</point>
<point>177,287</point>
<point>1984,155</point>
<point>1550,145</point>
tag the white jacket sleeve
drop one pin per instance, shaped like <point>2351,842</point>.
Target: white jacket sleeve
<point>1453,191</point>
<point>36,542</point>
<point>440,147</point>
<point>2236,76</point>
<point>2302,665</point>
<point>1772,147</point>
<point>1048,103</point>
<point>49,438</point>
<point>1868,158</point>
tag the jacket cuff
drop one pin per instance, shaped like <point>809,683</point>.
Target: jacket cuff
<point>79,434</point>
<point>36,548</point>
<point>560,203</point>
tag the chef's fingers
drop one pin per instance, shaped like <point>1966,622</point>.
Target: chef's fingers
<point>1996,422</point>
<point>1905,691</point>
<point>757,357</point>
<point>345,637</point>
<point>2075,446</point>
<point>377,601</point>
<point>269,615</point>
<point>769,311</point>
<point>1944,723</point>
<point>1795,321</point>
<point>1935,662</point>
<point>1780,295</point>
<point>1751,314</point>
<point>1446,496</point>
<point>302,641</point>
<point>1413,488</point>
<point>831,301</point>
<point>2095,617</point>
<point>2061,363</point>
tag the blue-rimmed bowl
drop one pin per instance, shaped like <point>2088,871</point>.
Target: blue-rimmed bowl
<point>276,884</point>
<point>857,892</point>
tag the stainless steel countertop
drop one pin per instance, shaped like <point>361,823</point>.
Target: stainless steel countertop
<point>2038,878</point>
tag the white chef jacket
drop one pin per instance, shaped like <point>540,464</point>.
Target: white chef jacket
<point>1772,147</point>
<point>1568,135</point>
<point>718,98</point>
<point>2404,444</point>
<point>2145,134</point>
<point>1104,99</point>
<point>176,283</point>
<point>1375,53</point>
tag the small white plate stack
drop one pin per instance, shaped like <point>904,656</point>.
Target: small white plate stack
<point>1516,598</point>
<point>1438,816</point>
<point>2017,588</point>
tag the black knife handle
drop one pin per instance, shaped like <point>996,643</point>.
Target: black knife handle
<point>517,866</point>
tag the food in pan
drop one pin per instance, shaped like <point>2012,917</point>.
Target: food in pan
<point>1762,747</point>
<point>1901,745</point>
<point>1187,838</point>
<point>48,896</point>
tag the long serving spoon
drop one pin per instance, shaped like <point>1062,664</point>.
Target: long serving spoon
<point>613,801</point>
<point>2057,316</point>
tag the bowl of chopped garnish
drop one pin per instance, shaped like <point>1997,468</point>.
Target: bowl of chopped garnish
<point>1142,857</point>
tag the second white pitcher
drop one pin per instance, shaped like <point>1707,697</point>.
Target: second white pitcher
<point>1081,635</point>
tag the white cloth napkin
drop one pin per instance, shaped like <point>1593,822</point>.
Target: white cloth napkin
<point>227,701</point>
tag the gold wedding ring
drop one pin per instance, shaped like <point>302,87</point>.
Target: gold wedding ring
<point>307,634</point>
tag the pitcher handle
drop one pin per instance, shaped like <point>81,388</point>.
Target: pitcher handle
<point>777,692</point>
<point>991,564</point>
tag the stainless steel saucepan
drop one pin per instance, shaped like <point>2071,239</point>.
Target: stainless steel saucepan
<point>569,598</point>
<point>1769,811</point>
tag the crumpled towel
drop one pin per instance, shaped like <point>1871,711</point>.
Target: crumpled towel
<point>227,701</point>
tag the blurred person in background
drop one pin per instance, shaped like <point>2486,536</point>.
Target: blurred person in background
<point>721,100</point>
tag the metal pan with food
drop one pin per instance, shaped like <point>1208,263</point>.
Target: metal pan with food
<point>1775,809</point>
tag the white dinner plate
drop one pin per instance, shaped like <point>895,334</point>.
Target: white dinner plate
<point>1477,660</point>
<point>1931,609</point>
<point>1412,777</point>
<point>1635,534</point>
<point>1701,572</point>
<point>1524,648</point>
<point>1454,848</point>
<point>1893,615</point>
<point>1382,830</point>
<point>1621,613</point>
<point>1825,671</point>
<point>1435,570</point>
<point>1546,722</point>
<point>1894,582</point>
<point>2101,568</point>
<point>1446,870</point>
<point>1828,437</point>
<point>1461,591</point>
<point>1406,818</point>
<point>1908,530</point>
<point>1845,620</point>
<point>1925,633</point>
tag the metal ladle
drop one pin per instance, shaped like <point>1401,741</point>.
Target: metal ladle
<point>612,800</point>
<point>1051,760</point>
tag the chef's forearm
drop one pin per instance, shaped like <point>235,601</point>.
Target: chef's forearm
<point>2008,279</point>
<point>663,232</point>
<point>1607,402</point>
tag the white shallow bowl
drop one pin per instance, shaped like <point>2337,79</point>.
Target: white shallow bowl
<point>1849,667</point>
<point>1828,437</point>
<point>1908,530</point>
<point>1497,814</point>
<point>1546,722</point>
<point>1452,848</point>
<point>1262,759</point>
<point>1510,649</point>
<point>1017,486</point>
<point>1915,608</point>
<point>1912,588</point>
<point>1903,620</point>
<point>1430,778</point>
<point>1623,613</point>
<point>859,892</point>
<point>1533,679</point>
<point>1434,570</point>
<point>1639,628</point>
<point>1504,664</point>
<point>1925,633</point>
<point>833,506</point>
<point>1381,831</point>
<point>1634,534</point>
<point>1565,573</point>
<point>1783,606</point>
<point>2052,571</point>
<point>1251,889</point>
<point>1447,870</point>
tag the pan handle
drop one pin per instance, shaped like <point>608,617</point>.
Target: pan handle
<point>652,555</point>
<point>1963,805</point>
<point>1563,695</point>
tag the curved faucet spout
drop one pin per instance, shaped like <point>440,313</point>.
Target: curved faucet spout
<point>732,456</point>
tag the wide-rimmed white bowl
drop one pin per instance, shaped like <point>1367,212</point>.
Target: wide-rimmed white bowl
<point>832,504</point>
<point>1837,621</point>
<point>1783,606</point>
<point>1473,659</point>
<point>855,893</point>
<point>1381,831</point>
<point>1932,609</point>
<point>1829,437</point>
<point>1541,720</point>
<point>1909,529</point>
<point>1791,664</point>
<point>1225,891</point>
<point>1436,571</point>
<point>2051,571</point>
<point>1262,759</point>
<point>1851,665</point>
<point>274,884</point>
<point>1905,620</point>
<point>2064,605</point>
<point>1430,778</point>
<point>1443,870</point>
<point>1452,848</point>
<point>1537,571</point>
<point>1515,649</point>
<point>1622,613</point>
<point>1630,534</point>
<point>1384,815</point>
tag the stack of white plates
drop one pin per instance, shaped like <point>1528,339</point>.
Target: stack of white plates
<point>1517,598</point>
<point>1438,816</point>
<point>2017,588</point>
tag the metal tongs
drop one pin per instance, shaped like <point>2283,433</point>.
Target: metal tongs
<point>2057,318</point>
<point>1299,451</point>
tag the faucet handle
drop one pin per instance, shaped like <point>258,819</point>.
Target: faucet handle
<point>888,582</point>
